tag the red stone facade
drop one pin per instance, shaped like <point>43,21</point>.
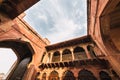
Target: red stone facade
<point>104,26</point>
<point>14,32</point>
<point>92,57</point>
<point>75,59</point>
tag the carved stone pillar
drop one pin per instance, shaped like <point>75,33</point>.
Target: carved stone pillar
<point>73,57</point>
<point>60,56</point>
<point>51,56</point>
<point>60,76</point>
<point>47,77</point>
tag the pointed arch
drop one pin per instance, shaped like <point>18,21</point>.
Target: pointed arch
<point>86,75</point>
<point>66,55</point>
<point>68,75</point>
<point>24,52</point>
<point>56,56</point>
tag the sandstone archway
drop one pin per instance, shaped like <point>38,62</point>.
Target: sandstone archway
<point>24,53</point>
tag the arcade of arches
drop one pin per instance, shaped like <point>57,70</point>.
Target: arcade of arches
<point>83,74</point>
<point>80,61</point>
<point>76,53</point>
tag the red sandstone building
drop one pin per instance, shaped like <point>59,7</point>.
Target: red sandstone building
<point>92,57</point>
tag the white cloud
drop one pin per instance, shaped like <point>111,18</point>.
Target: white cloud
<point>63,29</point>
<point>75,3</point>
<point>42,17</point>
<point>64,19</point>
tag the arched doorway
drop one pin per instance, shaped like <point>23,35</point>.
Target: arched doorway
<point>68,75</point>
<point>66,55</point>
<point>54,75</point>
<point>24,52</point>
<point>79,53</point>
<point>56,56</point>
<point>86,75</point>
<point>44,76</point>
<point>104,76</point>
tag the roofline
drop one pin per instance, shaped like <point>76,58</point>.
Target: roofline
<point>79,40</point>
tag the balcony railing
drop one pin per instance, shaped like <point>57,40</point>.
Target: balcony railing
<point>67,57</point>
<point>80,56</point>
<point>56,59</point>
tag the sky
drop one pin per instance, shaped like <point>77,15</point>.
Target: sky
<point>7,59</point>
<point>58,20</point>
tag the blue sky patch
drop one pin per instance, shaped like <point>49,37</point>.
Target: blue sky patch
<point>58,20</point>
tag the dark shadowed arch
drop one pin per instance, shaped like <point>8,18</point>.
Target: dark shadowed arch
<point>56,56</point>
<point>104,76</point>
<point>68,75</point>
<point>66,55</point>
<point>54,75</point>
<point>86,75</point>
<point>79,53</point>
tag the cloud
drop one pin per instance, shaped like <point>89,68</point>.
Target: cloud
<point>43,17</point>
<point>63,29</point>
<point>59,20</point>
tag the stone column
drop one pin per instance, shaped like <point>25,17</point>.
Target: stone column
<point>73,57</point>
<point>51,56</point>
<point>76,78</point>
<point>47,77</point>
<point>60,76</point>
<point>60,56</point>
<point>87,53</point>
